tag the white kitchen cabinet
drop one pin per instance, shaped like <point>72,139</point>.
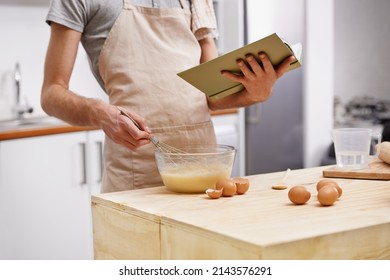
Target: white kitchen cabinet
<point>45,188</point>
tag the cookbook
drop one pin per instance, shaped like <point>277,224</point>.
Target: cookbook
<point>207,76</point>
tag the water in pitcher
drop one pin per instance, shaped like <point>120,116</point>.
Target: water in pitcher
<point>352,159</point>
<point>352,146</point>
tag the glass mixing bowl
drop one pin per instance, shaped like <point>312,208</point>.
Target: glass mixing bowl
<point>197,168</point>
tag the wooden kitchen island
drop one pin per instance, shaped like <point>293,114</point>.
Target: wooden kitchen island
<point>261,224</point>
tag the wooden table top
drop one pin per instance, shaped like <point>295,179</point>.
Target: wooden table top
<point>264,219</point>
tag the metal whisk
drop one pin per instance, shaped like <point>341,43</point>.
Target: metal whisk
<point>161,146</point>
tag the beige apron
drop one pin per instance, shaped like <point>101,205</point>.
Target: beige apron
<point>139,61</point>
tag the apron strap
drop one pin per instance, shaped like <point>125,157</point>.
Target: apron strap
<point>185,4</point>
<point>126,4</point>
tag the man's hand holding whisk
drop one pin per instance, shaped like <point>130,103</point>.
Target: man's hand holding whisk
<point>127,128</point>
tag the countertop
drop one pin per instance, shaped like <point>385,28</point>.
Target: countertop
<point>41,126</point>
<point>38,129</point>
<point>261,224</point>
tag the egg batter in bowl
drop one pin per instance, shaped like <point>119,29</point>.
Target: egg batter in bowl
<point>193,179</point>
<point>196,170</point>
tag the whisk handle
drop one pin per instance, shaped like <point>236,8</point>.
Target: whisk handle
<point>123,113</point>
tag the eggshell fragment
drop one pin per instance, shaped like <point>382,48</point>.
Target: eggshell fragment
<point>327,181</point>
<point>279,187</point>
<point>327,195</point>
<point>214,194</point>
<point>242,184</point>
<point>299,195</point>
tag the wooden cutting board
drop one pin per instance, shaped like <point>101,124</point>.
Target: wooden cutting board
<point>377,170</point>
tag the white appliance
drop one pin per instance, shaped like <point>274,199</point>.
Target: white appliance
<point>274,129</point>
<point>271,132</point>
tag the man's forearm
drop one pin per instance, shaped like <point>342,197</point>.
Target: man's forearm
<point>70,107</point>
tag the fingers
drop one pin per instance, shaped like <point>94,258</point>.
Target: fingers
<point>133,128</point>
<point>250,68</point>
<point>247,71</point>
<point>129,129</point>
<point>257,68</point>
<point>258,76</point>
<point>232,76</point>
<point>131,144</point>
<point>267,65</point>
<point>135,120</point>
<point>282,68</point>
<point>279,70</point>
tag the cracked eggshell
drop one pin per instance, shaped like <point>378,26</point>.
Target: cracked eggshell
<point>213,193</point>
<point>242,184</point>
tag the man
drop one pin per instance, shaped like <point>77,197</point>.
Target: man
<point>136,48</point>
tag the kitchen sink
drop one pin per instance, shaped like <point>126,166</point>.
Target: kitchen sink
<point>24,123</point>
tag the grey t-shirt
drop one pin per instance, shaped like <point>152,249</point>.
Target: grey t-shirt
<point>95,18</point>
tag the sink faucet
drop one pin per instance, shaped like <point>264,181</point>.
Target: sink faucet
<point>19,108</point>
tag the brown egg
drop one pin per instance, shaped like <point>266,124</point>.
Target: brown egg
<point>212,193</point>
<point>327,195</point>
<point>326,181</point>
<point>299,195</point>
<point>242,184</point>
<point>227,186</point>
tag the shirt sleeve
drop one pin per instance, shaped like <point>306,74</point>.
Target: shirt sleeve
<point>203,21</point>
<point>71,14</point>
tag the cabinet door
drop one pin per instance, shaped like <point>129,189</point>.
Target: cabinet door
<point>44,209</point>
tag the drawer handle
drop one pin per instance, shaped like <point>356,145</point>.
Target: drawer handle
<point>100,153</point>
<point>83,164</point>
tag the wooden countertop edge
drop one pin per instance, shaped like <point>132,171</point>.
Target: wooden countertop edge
<point>41,131</point>
<point>224,112</point>
<point>103,202</point>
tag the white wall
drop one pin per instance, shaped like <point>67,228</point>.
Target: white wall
<point>319,80</point>
<point>24,39</point>
<point>269,17</point>
<point>362,46</point>
<point>347,55</point>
